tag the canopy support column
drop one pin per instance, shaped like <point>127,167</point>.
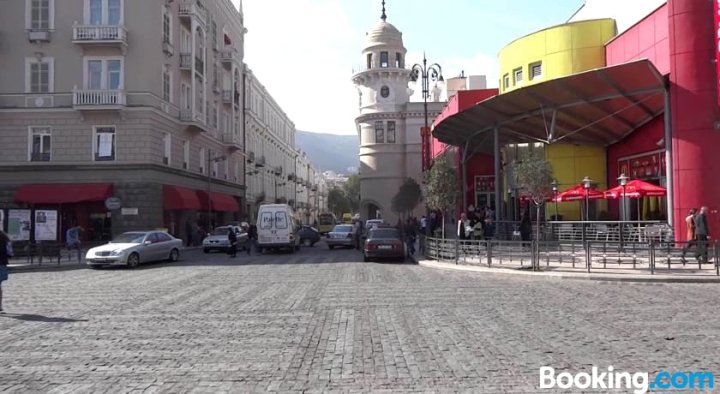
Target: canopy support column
<point>464,157</point>
<point>668,157</point>
<point>496,156</point>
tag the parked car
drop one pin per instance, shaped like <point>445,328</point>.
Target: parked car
<point>218,239</point>
<point>341,235</point>
<point>384,242</point>
<point>277,228</point>
<point>309,236</point>
<point>135,247</point>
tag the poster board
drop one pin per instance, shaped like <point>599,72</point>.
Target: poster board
<point>19,224</point>
<point>46,225</point>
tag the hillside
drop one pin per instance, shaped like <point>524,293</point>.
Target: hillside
<point>329,152</point>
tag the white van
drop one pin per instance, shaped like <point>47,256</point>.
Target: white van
<point>277,228</point>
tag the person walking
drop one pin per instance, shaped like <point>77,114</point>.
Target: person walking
<point>525,227</point>
<point>690,228</point>
<point>463,227</point>
<point>702,232</point>
<point>252,238</point>
<point>410,235</point>
<point>232,240</point>
<point>72,240</point>
<point>188,233</point>
<point>5,254</point>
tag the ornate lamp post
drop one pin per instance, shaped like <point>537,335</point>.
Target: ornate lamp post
<point>623,179</point>
<point>426,73</point>
<point>587,184</point>
<point>554,185</point>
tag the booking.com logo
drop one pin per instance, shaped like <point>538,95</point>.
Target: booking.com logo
<point>639,382</point>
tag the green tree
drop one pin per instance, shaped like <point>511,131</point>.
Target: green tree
<point>352,192</point>
<point>442,188</point>
<point>534,177</point>
<point>338,202</point>
<point>407,198</point>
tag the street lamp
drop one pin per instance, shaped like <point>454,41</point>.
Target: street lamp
<point>623,179</point>
<point>587,184</point>
<point>554,185</point>
<point>426,73</point>
<point>211,160</point>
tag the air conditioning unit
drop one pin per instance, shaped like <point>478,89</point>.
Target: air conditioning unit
<point>36,36</point>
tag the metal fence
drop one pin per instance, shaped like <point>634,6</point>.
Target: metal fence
<point>651,255</point>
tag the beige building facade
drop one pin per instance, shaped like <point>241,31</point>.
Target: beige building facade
<point>138,100</point>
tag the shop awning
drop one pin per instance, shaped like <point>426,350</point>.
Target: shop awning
<point>597,107</point>
<point>219,202</point>
<point>65,193</point>
<point>180,198</point>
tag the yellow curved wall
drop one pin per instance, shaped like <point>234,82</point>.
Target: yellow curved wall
<point>560,50</point>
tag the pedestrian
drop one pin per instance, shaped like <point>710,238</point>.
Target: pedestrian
<point>232,241</point>
<point>356,233</point>
<point>463,227</point>
<point>478,230</point>
<point>410,234</point>
<point>188,233</point>
<point>72,240</point>
<point>6,253</point>
<point>252,237</point>
<point>702,232</point>
<point>489,228</point>
<point>525,227</point>
<point>690,228</point>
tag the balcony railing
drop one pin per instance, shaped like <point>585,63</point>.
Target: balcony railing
<point>227,96</point>
<point>189,9</point>
<point>185,61</point>
<point>98,98</point>
<point>99,34</point>
<point>228,56</point>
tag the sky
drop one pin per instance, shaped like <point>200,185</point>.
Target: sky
<point>304,51</point>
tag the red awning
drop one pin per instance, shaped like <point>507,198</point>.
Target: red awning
<point>578,193</point>
<point>218,201</point>
<point>65,193</point>
<point>180,198</point>
<point>636,189</point>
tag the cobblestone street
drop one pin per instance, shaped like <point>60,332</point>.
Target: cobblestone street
<point>322,320</point>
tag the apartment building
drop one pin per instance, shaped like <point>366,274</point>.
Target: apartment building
<point>277,171</point>
<point>121,114</point>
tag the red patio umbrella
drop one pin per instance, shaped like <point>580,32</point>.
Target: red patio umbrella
<point>636,189</point>
<point>577,193</point>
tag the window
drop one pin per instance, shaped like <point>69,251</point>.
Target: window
<point>379,132</point>
<point>167,26</point>
<point>40,143</point>
<point>517,76</point>
<point>103,74</point>
<point>39,75</point>
<point>186,154</point>
<point>186,96</point>
<point>281,221</point>
<point>266,220</point>
<point>104,12</point>
<point>384,92</point>
<point>104,143</point>
<point>535,70</point>
<point>384,59</point>
<point>166,85</point>
<point>391,132</point>
<point>506,81</point>
<point>227,169</point>
<point>39,14</point>
<point>167,143</point>
<point>369,60</point>
<point>202,160</point>
<point>398,60</point>
<point>213,36</point>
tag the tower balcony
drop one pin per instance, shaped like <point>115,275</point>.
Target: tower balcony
<point>189,10</point>
<point>100,35</point>
<point>228,57</point>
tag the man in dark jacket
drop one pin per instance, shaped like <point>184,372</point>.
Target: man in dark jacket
<point>701,235</point>
<point>252,237</point>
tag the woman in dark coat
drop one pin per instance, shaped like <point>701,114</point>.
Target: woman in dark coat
<point>4,257</point>
<point>525,227</point>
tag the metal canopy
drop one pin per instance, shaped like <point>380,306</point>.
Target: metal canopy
<point>597,107</point>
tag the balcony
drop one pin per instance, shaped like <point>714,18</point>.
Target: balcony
<point>227,96</point>
<point>185,61</point>
<point>97,35</point>
<point>260,161</point>
<point>231,142</point>
<point>228,57</point>
<point>193,122</point>
<point>250,156</point>
<point>168,49</point>
<point>189,10</point>
<point>98,99</point>
<point>38,36</point>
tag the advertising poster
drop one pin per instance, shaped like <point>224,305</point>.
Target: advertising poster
<point>19,224</point>
<point>45,225</point>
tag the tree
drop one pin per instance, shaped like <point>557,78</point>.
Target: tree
<point>407,198</point>
<point>442,187</point>
<point>338,202</point>
<point>534,177</point>
<point>352,192</point>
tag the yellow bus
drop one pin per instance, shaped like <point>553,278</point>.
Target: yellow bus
<point>326,222</point>
<point>347,218</point>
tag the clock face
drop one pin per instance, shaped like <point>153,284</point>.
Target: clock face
<point>384,91</point>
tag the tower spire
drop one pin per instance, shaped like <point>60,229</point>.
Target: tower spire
<point>384,16</point>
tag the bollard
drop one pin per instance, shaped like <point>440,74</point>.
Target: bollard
<point>652,258</point>
<point>489,253</point>
<point>587,255</point>
<point>457,251</point>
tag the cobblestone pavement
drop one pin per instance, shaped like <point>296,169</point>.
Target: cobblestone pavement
<point>322,320</point>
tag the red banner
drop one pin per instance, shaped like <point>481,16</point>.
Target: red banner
<point>716,16</point>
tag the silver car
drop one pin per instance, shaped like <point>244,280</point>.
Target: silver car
<point>218,239</point>
<point>135,247</point>
<point>341,235</point>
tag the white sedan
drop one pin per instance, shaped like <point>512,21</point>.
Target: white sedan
<point>132,248</point>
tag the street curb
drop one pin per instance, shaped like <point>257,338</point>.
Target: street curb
<point>543,275</point>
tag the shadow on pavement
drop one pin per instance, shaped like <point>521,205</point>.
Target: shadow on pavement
<point>40,318</point>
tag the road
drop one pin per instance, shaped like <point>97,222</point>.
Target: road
<point>323,320</point>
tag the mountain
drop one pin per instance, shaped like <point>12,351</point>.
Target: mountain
<point>329,152</point>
